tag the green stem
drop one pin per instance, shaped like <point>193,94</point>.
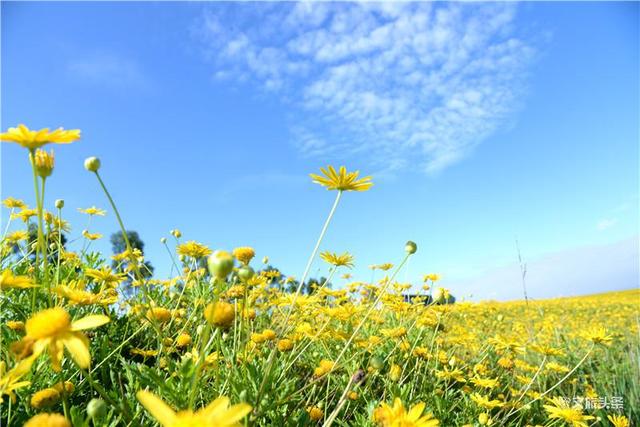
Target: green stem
<point>271,359</point>
<point>39,210</point>
<point>115,209</point>
<point>313,255</point>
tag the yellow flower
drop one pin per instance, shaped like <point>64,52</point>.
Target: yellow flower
<point>9,381</point>
<point>315,413</point>
<point>48,420</point>
<point>218,413</point>
<point>485,382</point>
<point>160,314</point>
<point>25,214</point>
<point>193,249</point>
<point>484,401</point>
<point>8,280</point>
<point>396,416</point>
<point>395,372</point>
<point>76,294</point>
<point>64,387</point>
<point>344,259</point>
<point>183,340</point>
<point>598,335</point>
<point>324,367</point>
<point>33,139</point>
<point>220,314</point>
<point>91,236</point>
<point>105,276</point>
<point>285,344</point>
<point>560,409</point>
<point>16,236</point>
<point>342,180</point>
<point>45,398</point>
<point>269,334</point>
<point>44,163</point>
<point>143,352</point>
<point>244,254</point>
<point>52,330</point>
<point>12,203</point>
<point>619,420</point>
<point>384,267</point>
<point>93,211</point>
<point>15,325</point>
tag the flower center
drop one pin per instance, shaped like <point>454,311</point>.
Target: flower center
<point>48,323</point>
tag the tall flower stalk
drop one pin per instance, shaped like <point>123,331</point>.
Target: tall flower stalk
<point>331,179</point>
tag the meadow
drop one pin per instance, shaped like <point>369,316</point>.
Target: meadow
<point>229,342</point>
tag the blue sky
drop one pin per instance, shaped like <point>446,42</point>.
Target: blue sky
<point>479,122</point>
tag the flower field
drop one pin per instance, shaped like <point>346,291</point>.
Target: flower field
<point>226,341</point>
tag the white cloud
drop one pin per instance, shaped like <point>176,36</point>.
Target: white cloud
<point>403,84</point>
<point>583,270</point>
<point>606,223</point>
<point>108,70</point>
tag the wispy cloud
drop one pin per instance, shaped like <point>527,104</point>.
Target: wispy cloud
<point>108,69</point>
<point>606,223</point>
<point>400,84</point>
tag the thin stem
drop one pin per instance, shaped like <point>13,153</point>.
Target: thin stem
<point>6,229</point>
<point>115,209</point>
<point>38,206</point>
<point>313,255</point>
<point>559,382</point>
<point>295,296</point>
<point>377,300</point>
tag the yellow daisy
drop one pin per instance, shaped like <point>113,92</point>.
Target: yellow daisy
<point>342,180</point>
<point>338,260</point>
<point>218,413</point>
<point>33,139</point>
<point>52,330</point>
<point>397,416</point>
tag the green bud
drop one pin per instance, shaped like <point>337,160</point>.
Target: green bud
<point>220,264</point>
<point>376,362</point>
<point>163,240</point>
<point>59,204</point>
<point>96,409</point>
<point>410,247</point>
<point>92,164</point>
<point>245,273</point>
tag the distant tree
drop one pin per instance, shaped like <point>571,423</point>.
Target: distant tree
<point>309,287</point>
<point>32,239</point>
<point>119,245</point>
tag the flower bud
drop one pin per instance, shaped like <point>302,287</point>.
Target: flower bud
<point>92,164</point>
<point>410,247</point>
<point>220,314</point>
<point>376,362</point>
<point>44,163</point>
<point>163,240</point>
<point>245,273</point>
<point>59,204</point>
<point>176,233</point>
<point>220,264</point>
<point>96,409</point>
<point>395,373</point>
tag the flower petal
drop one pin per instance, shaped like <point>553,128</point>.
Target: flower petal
<point>156,407</point>
<point>89,322</point>
<point>78,346</point>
